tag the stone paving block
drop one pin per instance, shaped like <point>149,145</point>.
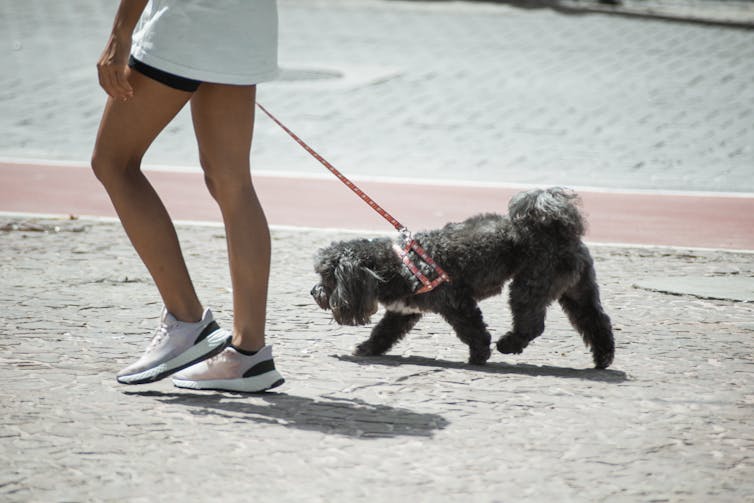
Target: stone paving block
<point>706,287</point>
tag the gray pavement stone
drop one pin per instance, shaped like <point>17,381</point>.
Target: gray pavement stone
<point>725,287</point>
<point>670,421</point>
<point>456,90</point>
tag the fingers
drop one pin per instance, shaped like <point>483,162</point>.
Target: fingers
<point>114,80</point>
<point>121,82</point>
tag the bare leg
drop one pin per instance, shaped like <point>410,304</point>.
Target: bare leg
<point>126,131</point>
<point>224,122</point>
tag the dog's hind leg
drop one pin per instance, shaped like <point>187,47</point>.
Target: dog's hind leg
<point>390,329</point>
<point>466,319</point>
<point>582,305</point>
<point>528,302</point>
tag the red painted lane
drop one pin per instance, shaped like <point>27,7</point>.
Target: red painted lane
<point>675,220</point>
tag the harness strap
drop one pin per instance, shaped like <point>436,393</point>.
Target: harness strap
<point>428,285</point>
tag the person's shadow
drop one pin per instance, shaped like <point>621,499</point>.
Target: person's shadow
<point>353,417</point>
<point>338,416</point>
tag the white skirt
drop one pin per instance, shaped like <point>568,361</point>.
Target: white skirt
<point>220,41</point>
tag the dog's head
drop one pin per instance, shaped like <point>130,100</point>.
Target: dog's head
<point>347,287</point>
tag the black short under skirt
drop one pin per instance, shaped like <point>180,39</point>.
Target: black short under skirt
<point>169,79</point>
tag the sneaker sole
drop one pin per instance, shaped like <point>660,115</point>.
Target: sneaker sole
<point>210,346</point>
<point>256,384</point>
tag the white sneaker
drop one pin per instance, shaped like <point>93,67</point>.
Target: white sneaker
<point>232,371</point>
<point>175,346</point>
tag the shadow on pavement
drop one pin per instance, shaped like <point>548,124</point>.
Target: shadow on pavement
<point>553,5</point>
<point>616,8</point>
<point>607,375</point>
<point>337,416</point>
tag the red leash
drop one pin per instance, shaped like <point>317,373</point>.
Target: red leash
<point>403,253</point>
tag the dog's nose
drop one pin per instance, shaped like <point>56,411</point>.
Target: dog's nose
<point>314,291</point>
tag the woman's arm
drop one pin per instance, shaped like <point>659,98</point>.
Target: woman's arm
<point>113,62</point>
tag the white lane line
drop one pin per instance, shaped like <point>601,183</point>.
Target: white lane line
<point>337,230</point>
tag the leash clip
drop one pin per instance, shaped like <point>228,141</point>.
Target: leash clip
<point>406,235</point>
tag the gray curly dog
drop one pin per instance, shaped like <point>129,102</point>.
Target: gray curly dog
<point>537,247</point>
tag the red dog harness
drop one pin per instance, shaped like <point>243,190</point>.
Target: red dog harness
<point>403,254</point>
<point>412,244</point>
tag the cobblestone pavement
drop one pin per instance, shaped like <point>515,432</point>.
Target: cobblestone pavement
<point>457,90</point>
<point>670,421</point>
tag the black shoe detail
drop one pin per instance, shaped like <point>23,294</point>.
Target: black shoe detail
<point>260,368</point>
<point>243,351</point>
<point>173,370</point>
<point>277,383</point>
<point>211,327</point>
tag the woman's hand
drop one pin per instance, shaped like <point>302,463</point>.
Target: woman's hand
<point>112,68</point>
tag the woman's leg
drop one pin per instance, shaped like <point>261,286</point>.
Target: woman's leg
<point>126,131</point>
<point>224,122</point>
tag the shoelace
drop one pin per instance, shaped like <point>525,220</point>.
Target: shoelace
<point>160,333</point>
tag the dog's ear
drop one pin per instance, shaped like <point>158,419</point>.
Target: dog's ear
<point>354,299</point>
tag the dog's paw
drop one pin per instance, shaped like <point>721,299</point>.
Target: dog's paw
<point>602,360</point>
<point>480,356</point>
<point>510,343</point>
<point>366,349</point>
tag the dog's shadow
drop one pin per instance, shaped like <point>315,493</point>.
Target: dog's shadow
<point>591,374</point>
<point>331,415</point>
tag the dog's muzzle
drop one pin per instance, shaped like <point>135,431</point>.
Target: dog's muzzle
<point>319,295</point>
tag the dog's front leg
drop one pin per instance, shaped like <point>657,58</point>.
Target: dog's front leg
<point>391,328</point>
<point>466,319</point>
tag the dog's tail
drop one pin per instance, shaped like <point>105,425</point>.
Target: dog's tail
<point>551,210</point>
